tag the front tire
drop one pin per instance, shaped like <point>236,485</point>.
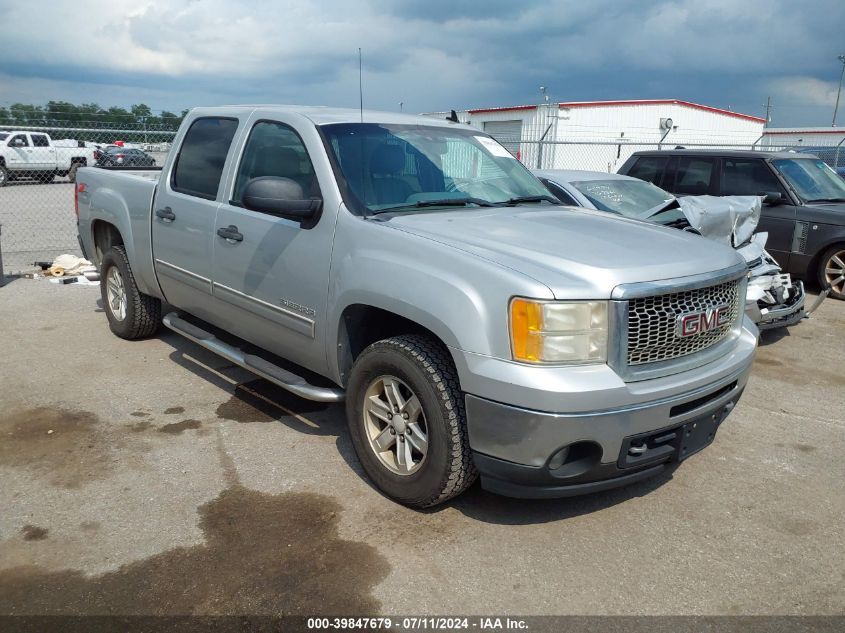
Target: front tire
<point>832,271</point>
<point>4,176</point>
<point>131,313</point>
<point>406,417</point>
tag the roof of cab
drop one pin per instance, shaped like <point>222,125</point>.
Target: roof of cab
<point>729,153</point>
<point>320,115</point>
<point>577,175</point>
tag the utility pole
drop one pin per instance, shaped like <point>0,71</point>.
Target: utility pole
<point>841,58</point>
<point>768,110</point>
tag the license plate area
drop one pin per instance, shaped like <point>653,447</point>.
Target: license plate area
<point>669,444</point>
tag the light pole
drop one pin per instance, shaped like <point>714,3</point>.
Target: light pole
<point>841,58</point>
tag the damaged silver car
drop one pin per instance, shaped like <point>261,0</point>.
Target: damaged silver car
<point>774,299</point>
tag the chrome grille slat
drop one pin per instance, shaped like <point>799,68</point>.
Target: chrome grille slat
<point>652,320</point>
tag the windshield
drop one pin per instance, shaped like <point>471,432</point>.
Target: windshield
<point>406,167</point>
<point>630,198</point>
<point>812,179</point>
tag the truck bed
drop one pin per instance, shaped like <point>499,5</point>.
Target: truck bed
<point>123,198</point>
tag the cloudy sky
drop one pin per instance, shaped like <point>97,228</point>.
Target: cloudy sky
<point>429,54</point>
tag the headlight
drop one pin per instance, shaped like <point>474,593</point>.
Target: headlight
<point>558,331</point>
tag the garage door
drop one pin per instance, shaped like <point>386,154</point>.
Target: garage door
<point>508,133</point>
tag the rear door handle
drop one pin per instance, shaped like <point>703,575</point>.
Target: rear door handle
<point>166,214</point>
<point>230,234</point>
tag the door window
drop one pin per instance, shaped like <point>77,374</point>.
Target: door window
<point>274,149</point>
<point>19,140</point>
<point>695,176</point>
<point>39,140</point>
<point>649,168</point>
<point>202,157</point>
<point>748,177</point>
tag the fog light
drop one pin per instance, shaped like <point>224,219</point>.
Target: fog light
<point>558,458</point>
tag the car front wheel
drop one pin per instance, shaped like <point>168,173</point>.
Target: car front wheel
<point>406,417</point>
<point>832,271</point>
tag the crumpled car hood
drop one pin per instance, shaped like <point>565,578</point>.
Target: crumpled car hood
<point>577,253</point>
<point>730,220</point>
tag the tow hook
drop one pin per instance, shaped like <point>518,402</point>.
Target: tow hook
<point>818,301</point>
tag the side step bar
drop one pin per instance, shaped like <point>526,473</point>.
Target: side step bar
<point>257,365</point>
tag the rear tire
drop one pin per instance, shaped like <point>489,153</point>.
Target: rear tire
<point>71,174</point>
<point>422,369</point>
<point>131,313</point>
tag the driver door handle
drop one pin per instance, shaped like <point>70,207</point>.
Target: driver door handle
<point>166,214</point>
<point>230,234</point>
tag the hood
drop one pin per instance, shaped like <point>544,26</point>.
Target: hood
<point>577,253</point>
<point>730,220</point>
<point>823,212</point>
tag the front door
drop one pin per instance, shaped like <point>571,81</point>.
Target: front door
<point>271,282</point>
<point>753,177</point>
<point>183,215</point>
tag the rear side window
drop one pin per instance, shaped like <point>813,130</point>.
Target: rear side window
<point>748,177</point>
<point>695,176</point>
<point>649,168</point>
<point>202,157</point>
<point>39,140</point>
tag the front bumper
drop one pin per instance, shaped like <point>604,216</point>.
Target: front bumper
<point>781,316</point>
<point>521,452</point>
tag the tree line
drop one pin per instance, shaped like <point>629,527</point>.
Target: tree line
<point>61,114</point>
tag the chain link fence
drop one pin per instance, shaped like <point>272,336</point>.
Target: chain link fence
<point>38,166</point>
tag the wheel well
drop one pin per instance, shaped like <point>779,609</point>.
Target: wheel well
<point>362,325</point>
<point>106,235</point>
<point>79,160</point>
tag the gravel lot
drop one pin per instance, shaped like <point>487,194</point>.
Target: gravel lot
<point>150,477</point>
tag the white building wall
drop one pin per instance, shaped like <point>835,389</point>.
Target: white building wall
<point>602,136</point>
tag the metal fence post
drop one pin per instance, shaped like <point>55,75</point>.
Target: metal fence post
<point>2,274</point>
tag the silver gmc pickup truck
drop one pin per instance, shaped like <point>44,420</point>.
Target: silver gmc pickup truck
<point>413,268</point>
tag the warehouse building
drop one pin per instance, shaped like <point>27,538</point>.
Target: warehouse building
<point>600,135</point>
<point>828,143</point>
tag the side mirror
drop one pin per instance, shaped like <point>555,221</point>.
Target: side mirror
<point>773,198</point>
<point>282,197</point>
<point>18,142</point>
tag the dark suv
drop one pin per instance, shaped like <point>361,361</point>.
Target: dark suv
<point>803,209</point>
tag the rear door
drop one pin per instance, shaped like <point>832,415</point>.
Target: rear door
<point>271,283</point>
<point>753,177</point>
<point>43,156</point>
<point>184,210</point>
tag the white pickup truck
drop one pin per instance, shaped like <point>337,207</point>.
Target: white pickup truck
<point>26,154</point>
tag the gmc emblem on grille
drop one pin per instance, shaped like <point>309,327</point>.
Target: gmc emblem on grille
<point>692,323</point>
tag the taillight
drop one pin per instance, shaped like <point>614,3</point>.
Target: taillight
<point>79,188</point>
<point>119,156</point>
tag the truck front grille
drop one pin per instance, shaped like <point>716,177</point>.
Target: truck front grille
<point>652,322</point>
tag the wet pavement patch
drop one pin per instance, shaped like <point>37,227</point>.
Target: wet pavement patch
<point>34,533</point>
<point>174,410</point>
<point>263,555</point>
<point>68,447</point>
<point>139,414</point>
<point>177,427</point>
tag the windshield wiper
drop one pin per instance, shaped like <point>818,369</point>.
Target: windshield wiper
<point>827,200</point>
<point>445,202</point>
<point>512,202</point>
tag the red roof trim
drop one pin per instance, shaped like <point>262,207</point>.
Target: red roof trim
<point>503,109</point>
<point>840,132</point>
<point>588,104</point>
<point>688,104</point>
